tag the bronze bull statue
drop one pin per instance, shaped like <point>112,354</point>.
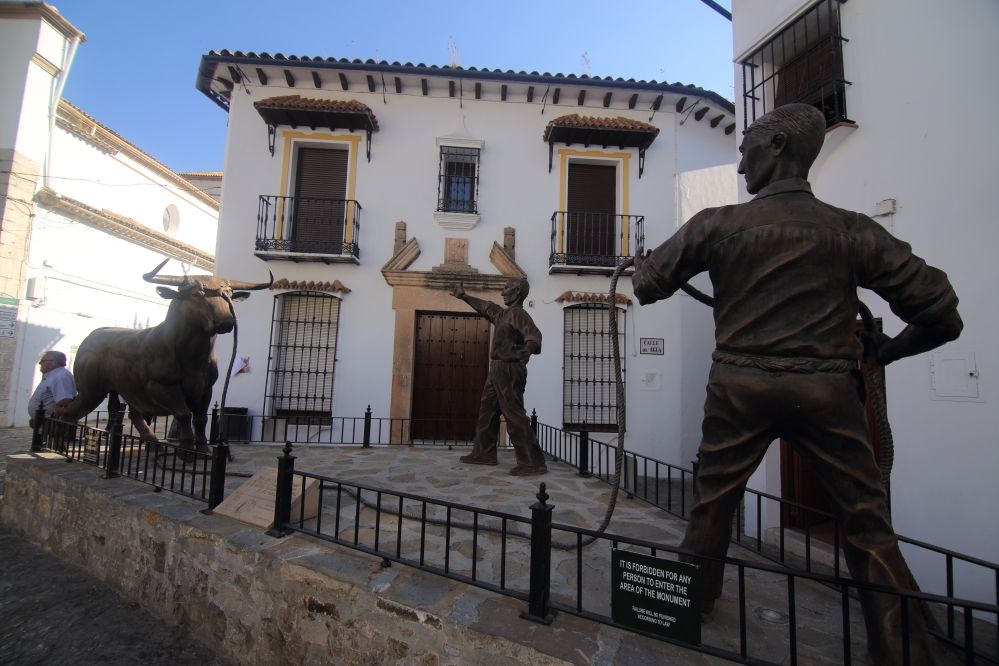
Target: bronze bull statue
<point>166,370</point>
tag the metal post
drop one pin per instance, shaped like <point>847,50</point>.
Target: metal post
<point>367,427</point>
<point>541,561</point>
<point>282,495</point>
<point>36,433</point>
<point>216,491</point>
<point>584,452</point>
<point>112,463</point>
<point>534,422</point>
<point>213,428</point>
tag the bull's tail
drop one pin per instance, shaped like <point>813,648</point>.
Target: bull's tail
<point>84,403</point>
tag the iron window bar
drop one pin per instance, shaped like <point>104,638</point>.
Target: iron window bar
<point>589,393</point>
<point>802,63</point>
<point>458,180</point>
<point>302,360</point>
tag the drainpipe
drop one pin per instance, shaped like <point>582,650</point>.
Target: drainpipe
<point>68,53</point>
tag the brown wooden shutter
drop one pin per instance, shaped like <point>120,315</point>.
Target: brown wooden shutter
<point>320,207</point>
<point>591,205</point>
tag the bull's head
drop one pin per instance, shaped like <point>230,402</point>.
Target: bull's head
<point>205,298</point>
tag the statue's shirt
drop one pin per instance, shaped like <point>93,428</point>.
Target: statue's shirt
<point>785,268</point>
<point>514,328</point>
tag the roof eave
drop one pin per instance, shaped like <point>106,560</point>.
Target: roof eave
<point>206,71</point>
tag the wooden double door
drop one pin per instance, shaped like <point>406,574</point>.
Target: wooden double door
<point>451,363</point>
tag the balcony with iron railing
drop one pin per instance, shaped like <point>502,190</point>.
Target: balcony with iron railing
<point>308,229</point>
<point>586,242</point>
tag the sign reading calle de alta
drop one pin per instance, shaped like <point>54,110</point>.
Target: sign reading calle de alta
<point>651,346</point>
<point>656,595</point>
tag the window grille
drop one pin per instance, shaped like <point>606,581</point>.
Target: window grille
<point>802,63</point>
<point>589,392</point>
<point>302,359</point>
<point>458,182</point>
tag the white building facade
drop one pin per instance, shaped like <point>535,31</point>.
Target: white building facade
<point>876,68</point>
<point>85,212</point>
<point>370,188</point>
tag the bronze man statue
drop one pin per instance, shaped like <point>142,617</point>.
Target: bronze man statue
<point>516,338</point>
<point>785,268</point>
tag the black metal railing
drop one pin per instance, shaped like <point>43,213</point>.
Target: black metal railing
<point>308,225</point>
<point>671,488</point>
<point>664,485</point>
<point>463,542</point>
<point>594,239</point>
<point>366,430</point>
<point>165,465</point>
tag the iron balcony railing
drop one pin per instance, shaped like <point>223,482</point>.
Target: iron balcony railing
<point>594,239</point>
<point>308,225</point>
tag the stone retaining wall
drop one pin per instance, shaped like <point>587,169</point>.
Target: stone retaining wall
<point>260,600</point>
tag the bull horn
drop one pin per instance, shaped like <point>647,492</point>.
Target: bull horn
<point>250,286</point>
<point>173,280</point>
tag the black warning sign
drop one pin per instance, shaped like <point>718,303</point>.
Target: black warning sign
<point>656,595</point>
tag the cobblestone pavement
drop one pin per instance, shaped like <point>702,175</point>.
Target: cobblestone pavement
<point>53,613</point>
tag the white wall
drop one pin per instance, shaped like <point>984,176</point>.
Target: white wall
<point>516,189</point>
<point>126,187</point>
<point>913,65</point>
<point>85,278</point>
<point>19,38</point>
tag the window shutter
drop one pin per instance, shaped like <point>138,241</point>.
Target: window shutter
<point>591,206</point>
<point>320,194</point>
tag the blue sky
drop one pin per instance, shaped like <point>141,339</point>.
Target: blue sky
<point>136,71</point>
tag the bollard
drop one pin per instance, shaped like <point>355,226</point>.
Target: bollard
<point>541,561</point>
<point>216,489</point>
<point>282,495</point>
<point>584,452</point>
<point>367,428</point>
<point>116,418</point>
<point>38,423</point>
<point>213,428</point>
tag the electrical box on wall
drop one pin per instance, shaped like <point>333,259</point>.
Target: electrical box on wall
<point>954,376</point>
<point>36,289</point>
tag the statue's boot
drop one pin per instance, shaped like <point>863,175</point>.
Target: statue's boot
<point>475,459</point>
<point>528,470</point>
